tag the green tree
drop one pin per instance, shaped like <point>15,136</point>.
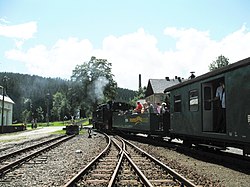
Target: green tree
<point>60,105</point>
<point>140,94</point>
<point>25,116</point>
<point>221,61</point>
<point>94,82</point>
<point>39,111</point>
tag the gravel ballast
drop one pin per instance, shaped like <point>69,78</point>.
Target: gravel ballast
<point>57,166</point>
<point>217,174</point>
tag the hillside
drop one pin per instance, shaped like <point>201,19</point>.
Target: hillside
<point>32,93</point>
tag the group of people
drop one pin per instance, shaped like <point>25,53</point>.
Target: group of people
<point>148,107</point>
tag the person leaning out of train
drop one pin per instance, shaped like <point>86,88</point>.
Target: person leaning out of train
<point>220,97</point>
<point>144,108</point>
<point>138,108</point>
<point>158,108</point>
<point>164,108</point>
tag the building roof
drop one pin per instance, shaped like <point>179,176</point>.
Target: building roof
<point>6,99</point>
<point>159,85</point>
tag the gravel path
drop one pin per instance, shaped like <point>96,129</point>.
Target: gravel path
<point>28,134</point>
<point>15,140</point>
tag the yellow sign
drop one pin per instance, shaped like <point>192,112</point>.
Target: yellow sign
<point>138,119</point>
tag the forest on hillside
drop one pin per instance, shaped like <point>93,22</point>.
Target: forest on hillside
<point>35,96</point>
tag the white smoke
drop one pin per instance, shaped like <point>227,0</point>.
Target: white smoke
<point>98,88</point>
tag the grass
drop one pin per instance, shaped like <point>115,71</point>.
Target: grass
<point>12,140</point>
<point>85,122</point>
<point>61,132</point>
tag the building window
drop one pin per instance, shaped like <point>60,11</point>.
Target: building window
<point>177,103</point>
<point>193,100</point>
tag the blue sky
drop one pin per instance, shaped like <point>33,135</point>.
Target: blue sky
<point>154,38</point>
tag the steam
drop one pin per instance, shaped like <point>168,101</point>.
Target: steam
<point>96,93</point>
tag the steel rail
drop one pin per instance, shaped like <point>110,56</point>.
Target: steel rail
<point>21,160</point>
<point>118,166</point>
<point>73,180</point>
<point>28,148</point>
<point>177,176</point>
<point>144,179</point>
<point>124,155</point>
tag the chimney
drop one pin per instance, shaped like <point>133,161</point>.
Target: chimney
<point>139,81</point>
<point>167,78</point>
<point>192,75</point>
<point>179,79</point>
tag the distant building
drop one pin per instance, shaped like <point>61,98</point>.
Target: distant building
<point>155,89</point>
<point>8,110</point>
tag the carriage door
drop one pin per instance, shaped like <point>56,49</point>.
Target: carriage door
<point>207,108</point>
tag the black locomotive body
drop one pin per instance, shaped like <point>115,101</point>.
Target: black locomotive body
<point>193,113</point>
<point>102,117</point>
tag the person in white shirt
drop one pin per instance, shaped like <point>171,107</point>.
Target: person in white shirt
<point>221,120</point>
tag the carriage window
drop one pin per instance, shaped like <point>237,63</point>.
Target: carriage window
<point>193,100</point>
<point>177,103</point>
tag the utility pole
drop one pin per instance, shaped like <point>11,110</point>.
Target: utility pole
<point>5,78</point>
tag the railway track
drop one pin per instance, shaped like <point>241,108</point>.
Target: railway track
<point>100,169</point>
<point>14,159</point>
<point>123,164</point>
<point>231,160</point>
<point>156,172</point>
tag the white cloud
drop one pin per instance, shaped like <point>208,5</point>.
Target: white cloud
<point>58,61</point>
<point>131,55</point>
<point>195,50</point>
<point>4,20</point>
<point>21,31</point>
<point>137,53</point>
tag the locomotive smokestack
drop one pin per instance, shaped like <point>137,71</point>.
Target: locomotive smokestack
<point>139,81</point>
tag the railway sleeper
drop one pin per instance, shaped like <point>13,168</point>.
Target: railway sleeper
<point>128,182</point>
<point>106,170</point>
<point>95,182</point>
<point>164,182</point>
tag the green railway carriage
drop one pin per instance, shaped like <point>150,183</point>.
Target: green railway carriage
<point>194,112</point>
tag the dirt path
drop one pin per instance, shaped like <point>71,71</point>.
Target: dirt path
<point>28,134</point>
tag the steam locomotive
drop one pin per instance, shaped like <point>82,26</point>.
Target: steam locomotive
<point>192,117</point>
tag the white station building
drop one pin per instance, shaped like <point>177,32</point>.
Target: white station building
<point>8,110</point>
